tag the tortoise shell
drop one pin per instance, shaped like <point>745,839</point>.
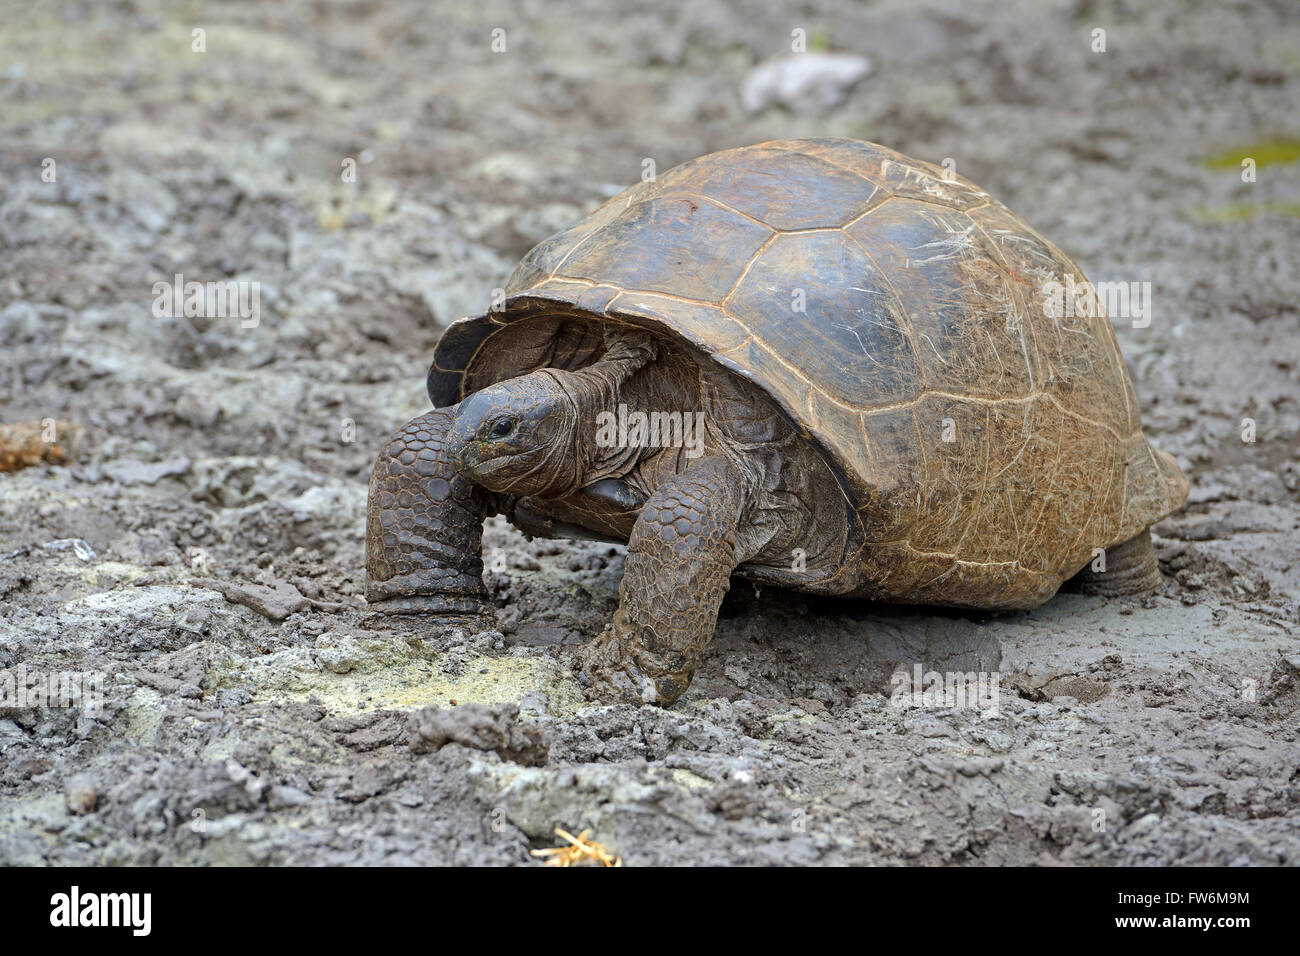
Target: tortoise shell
<point>897,317</point>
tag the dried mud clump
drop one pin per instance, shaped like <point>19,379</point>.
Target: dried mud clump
<point>497,729</point>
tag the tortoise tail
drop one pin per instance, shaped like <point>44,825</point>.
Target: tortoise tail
<point>1175,480</point>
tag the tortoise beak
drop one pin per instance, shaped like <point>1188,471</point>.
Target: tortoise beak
<point>467,455</point>
<point>460,449</point>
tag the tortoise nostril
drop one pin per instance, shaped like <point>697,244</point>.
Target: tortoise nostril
<point>456,454</point>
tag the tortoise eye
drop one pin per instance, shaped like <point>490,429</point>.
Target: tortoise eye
<point>503,428</point>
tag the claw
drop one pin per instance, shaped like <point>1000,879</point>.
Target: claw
<point>437,605</point>
<point>612,671</point>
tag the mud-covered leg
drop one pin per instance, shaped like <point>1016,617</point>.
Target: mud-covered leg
<point>1131,568</point>
<point>424,526</point>
<point>679,562</point>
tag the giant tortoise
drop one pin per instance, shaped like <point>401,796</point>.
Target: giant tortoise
<point>816,363</point>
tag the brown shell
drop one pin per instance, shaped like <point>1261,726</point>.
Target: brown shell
<point>986,446</point>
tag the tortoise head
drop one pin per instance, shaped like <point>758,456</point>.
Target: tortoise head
<point>518,437</point>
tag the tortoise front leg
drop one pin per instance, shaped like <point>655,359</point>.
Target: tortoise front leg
<point>679,562</point>
<point>424,526</point>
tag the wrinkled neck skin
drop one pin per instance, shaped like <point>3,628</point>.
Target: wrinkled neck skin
<point>600,387</point>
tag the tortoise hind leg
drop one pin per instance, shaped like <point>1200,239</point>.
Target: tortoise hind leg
<point>1131,569</point>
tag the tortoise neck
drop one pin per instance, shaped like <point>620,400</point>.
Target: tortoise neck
<point>600,388</point>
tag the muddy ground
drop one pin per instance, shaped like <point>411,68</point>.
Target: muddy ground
<point>214,457</point>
